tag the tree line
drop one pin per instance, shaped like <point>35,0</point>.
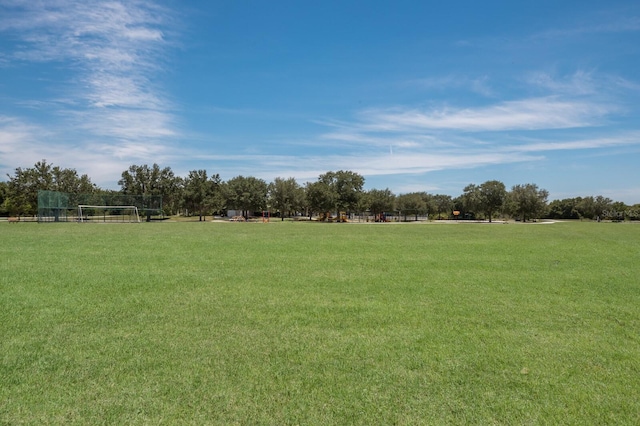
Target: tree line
<point>340,192</point>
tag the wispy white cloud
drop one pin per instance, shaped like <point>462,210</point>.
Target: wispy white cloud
<point>604,23</point>
<point>112,51</point>
<point>309,167</point>
<point>23,143</point>
<point>520,131</point>
<point>579,83</point>
<point>16,138</point>
<point>628,138</point>
<point>527,114</point>
<point>479,85</point>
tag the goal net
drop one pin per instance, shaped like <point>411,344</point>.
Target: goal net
<point>54,206</point>
<point>89,213</point>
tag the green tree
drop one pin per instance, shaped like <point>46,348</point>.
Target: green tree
<point>346,187</point>
<point>153,181</point>
<point>633,212</point>
<point>4,197</point>
<point>493,195</point>
<point>443,203</point>
<point>201,194</point>
<point>216,200</point>
<point>415,203</point>
<point>286,196</point>
<point>487,198</point>
<point>24,185</point>
<point>319,197</point>
<point>22,188</point>
<point>592,207</point>
<point>67,180</point>
<point>430,203</point>
<point>564,209</point>
<point>136,180</point>
<point>602,204</point>
<point>247,194</point>
<point>471,199</point>
<point>527,201</point>
<point>587,207</point>
<point>381,200</point>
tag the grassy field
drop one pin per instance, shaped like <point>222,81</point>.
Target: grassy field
<point>308,323</point>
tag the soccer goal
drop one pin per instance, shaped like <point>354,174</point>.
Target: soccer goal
<point>88,213</point>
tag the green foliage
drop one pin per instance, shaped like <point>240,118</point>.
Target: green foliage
<point>415,203</point>
<point>337,191</point>
<point>487,198</point>
<point>345,187</point>
<point>564,209</point>
<point>21,194</point>
<point>494,195</point>
<point>145,180</point>
<point>300,323</point>
<point>246,193</point>
<point>201,193</point>
<point>380,200</point>
<point>443,204</point>
<point>527,201</point>
<point>286,196</point>
<point>319,197</point>
<point>4,199</point>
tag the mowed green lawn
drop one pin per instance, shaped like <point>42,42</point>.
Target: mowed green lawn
<point>309,323</point>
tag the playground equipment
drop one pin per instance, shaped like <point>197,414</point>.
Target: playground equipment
<point>381,218</point>
<point>327,217</point>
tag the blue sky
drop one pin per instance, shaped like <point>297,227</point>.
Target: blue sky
<point>413,95</point>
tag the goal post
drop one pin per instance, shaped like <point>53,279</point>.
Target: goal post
<point>54,206</point>
<point>88,212</point>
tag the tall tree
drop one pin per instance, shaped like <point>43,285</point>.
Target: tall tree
<point>23,186</point>
<point>592,207</point>
<point>286,196</point>
<point>4,198</point>
<point>247,194</point>
<point>616,211</point>
<point>67,180</point>
<point>136,180</point>
<point>319,197</point>
<point>602,204</point>
<point>493,194</point>
<point>197,189</point>
<point>527,201</point>
<point>566,208</point>
<point>346,187</point>
<point>381,200</point>
<point>443,203</point>
<point>216,199</point>
<point>153,181</point>
<point>472,199</point>
<point>412,203</point>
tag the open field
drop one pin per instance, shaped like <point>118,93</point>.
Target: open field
<point>309,323</point>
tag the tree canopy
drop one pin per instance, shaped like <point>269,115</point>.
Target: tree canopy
<point>246,194</point>
<point>345,187</point>
<point>286,196</point>
<point>527,201</point>
<point>333,191</point>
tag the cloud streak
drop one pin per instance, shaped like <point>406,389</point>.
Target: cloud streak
<point>527,114</point>
<point>111,51</point>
